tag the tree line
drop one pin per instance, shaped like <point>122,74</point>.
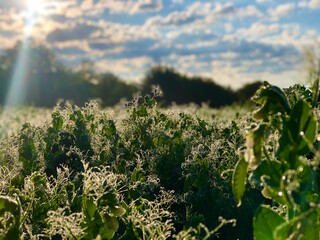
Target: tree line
<point>48,80</point>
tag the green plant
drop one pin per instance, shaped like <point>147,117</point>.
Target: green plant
<point>282,161</point>
<point>141,173</point>
<point>10,216</point>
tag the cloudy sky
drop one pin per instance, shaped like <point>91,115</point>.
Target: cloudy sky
<point>233,42</point>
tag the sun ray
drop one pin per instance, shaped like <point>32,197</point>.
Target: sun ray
<point>19,86</point>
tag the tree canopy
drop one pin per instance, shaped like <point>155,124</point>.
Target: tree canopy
<point>46,80</point>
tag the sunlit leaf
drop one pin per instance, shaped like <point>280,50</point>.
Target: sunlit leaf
<point>254,144</point>
<point>90,208</point>
<point>117,211</point>
<point>272,100</point>
<point>239,179</point>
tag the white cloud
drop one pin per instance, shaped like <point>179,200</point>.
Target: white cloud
<point>229,55</point>
<point>264,1</point>
<point>120,33</point>
<point>16,4</point>
<point>223,9</point>
<point>11,21</point>
<point>249,11</point>
<point>226,74</point>
<point>131,7</point>
<point>8,42</point>
<point>258,30</point>
<point>146,6</point>
<point>202,14</point>
<point>313,4</point>
<point>292,35</point>
<point>228,27</point>
<point>87,5</point>
<point>195,11</point>
<point>281,10</point>
<point>236,76</point>
<point>188,39</point>
<point>126,66</point>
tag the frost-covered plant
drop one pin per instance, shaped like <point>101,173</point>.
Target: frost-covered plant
<point>150,219</point>
<point>101,205</point>
<point>66,226</point>
<point>201,231</point>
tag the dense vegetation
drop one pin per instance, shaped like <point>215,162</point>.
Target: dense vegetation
<point>151,173</point>
<point>47,80</point>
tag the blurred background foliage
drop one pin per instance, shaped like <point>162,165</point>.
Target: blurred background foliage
<point>48,81</point>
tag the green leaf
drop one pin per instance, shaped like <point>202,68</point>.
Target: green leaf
<point>265,223</point>
<point>254,143</point>
<point>7,204</point>
<point>272,100</point>
<point>109,198</point>
<point>112,223</point>
<point>298,132</point>
<point>258,138</point>
<point>117,211</point>
<point>303,227</point>
<point>90,208</point>
<point>239,179</point>
<point>269,171</point>
<point>12,230</point>
<point>57,121</point>
<point>105,233</point>
<point>142,111</point>
<point>275,194</point>
<point>138,175</point>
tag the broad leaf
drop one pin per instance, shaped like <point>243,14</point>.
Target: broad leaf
<point>239,179</point>
<point>298,132</point>
<point>269,171</point>
<point>272,100</point>
<point>265,223</point>
<point>90,208</point>
<point>7,204</point>
<point>112,223</point>
<point>12,230</point>
<point>254,144</point>
<point>117,211</point>
<point>304,227</point>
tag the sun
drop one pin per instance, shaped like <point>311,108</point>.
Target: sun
<point>34,11</point>
<point>35,6</point>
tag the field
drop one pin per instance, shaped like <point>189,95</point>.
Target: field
<point>144,172</point>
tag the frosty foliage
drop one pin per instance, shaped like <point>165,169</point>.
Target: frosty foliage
<point>140,171</point>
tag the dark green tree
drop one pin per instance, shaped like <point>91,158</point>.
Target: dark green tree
<point>181,89</point>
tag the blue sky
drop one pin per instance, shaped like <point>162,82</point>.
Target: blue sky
<point>232,42</point>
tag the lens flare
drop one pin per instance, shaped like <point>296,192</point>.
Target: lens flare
<point>19,85</point>
<point>33,4</point>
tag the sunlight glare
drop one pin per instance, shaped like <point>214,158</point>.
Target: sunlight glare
<point>35,6</point>
<point>34,9</point>
<point>19,86</point>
